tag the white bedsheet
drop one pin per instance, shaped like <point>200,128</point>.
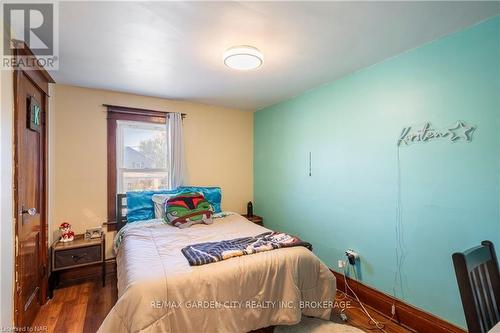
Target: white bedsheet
<point>159,292</point>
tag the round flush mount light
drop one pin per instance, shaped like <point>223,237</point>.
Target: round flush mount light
<point>243,57</point>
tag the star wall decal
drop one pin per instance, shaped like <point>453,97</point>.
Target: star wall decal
<point>461,131</point>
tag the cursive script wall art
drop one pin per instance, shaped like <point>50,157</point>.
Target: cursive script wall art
<point>460,131</point>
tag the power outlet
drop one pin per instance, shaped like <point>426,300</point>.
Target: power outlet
<point>341,263</point>
<point>352,256</point>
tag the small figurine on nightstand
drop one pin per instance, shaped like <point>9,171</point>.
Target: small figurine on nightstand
<point>67,235</point>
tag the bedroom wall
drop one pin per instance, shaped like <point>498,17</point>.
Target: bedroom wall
<point>450,191</point>
<point>218,143</point>
<point>6,199</point>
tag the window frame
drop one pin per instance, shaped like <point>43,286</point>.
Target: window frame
<point>115,113</point>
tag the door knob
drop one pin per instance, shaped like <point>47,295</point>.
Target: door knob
<point>29,211</point>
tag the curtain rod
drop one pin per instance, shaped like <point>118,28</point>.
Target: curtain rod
<point>138,111</point>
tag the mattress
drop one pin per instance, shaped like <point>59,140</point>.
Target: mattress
<point>159,292</point>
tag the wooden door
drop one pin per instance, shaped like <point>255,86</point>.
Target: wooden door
<point>30,161</point>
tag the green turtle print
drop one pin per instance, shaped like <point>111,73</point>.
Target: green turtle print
<point>187,209</point>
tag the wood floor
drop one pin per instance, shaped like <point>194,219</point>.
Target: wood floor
<point>78,307</point>
<point>81,307</point>
<point>357,318</point>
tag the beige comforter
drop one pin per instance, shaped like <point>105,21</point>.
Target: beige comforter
<point>159,292</point>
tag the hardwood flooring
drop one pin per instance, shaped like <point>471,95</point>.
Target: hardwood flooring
<point>357,318</point>
<point>78,307</point>
<point>81,307</point>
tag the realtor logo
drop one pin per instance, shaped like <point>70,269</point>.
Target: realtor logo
<point>32,25</point>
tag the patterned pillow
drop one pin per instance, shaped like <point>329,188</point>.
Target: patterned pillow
<point>186,209</point>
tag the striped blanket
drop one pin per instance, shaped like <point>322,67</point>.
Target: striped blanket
<point>206,253</point>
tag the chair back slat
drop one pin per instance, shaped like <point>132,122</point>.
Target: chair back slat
<point>477,299</point>
<point>478,279</point>
<point>491,304</point>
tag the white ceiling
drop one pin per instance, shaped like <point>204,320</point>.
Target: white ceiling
<point>174,49</point>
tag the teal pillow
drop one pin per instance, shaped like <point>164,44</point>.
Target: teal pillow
<point>212,194</point>
<point>140,205</point>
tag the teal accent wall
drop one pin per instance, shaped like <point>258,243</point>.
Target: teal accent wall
<point>450,191</point>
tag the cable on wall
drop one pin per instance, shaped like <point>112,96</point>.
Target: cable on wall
<point>460,131</point>
<point>400,251</point>
<point>378,324</point>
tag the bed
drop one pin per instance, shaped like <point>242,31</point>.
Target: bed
<point>159,292</point>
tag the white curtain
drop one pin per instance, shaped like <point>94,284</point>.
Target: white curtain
<point>175,143</point>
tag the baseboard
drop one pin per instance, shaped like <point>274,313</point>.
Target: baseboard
<point>406,315</point>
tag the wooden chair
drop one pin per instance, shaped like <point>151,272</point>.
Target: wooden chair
<point>479,284</point>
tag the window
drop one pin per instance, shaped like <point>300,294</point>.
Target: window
<point>127,127</point>
<point>141,156</point>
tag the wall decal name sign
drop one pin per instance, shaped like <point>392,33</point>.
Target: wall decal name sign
<point>460,131</point>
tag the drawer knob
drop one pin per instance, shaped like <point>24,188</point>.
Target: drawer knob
<point>78,257</point>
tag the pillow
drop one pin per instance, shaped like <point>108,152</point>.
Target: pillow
<point>211,194</point>
<point>159,203</point>
<point>186,209</point>
<point>140,205</point>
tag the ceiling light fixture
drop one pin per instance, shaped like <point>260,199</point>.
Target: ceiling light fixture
<point>243,57</point>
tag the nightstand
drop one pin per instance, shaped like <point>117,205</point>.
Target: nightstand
<point>255,219</point>
<point>78,253</point>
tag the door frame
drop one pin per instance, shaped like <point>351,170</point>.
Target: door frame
<point>41,79</point>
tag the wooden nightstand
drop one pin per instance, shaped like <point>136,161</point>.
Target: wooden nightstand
<point>255,219</point>
<point>78,253</point>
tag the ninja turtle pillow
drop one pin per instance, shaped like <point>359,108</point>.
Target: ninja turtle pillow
<point>186,209</point>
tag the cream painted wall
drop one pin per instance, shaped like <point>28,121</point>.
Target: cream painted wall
<point>7,222</point>
<point>218,143</point>
<point>6,199</point>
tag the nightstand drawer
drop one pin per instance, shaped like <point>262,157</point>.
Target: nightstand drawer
<point>76,257</point>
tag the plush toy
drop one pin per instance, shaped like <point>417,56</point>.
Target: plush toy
<point>66,234</point>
